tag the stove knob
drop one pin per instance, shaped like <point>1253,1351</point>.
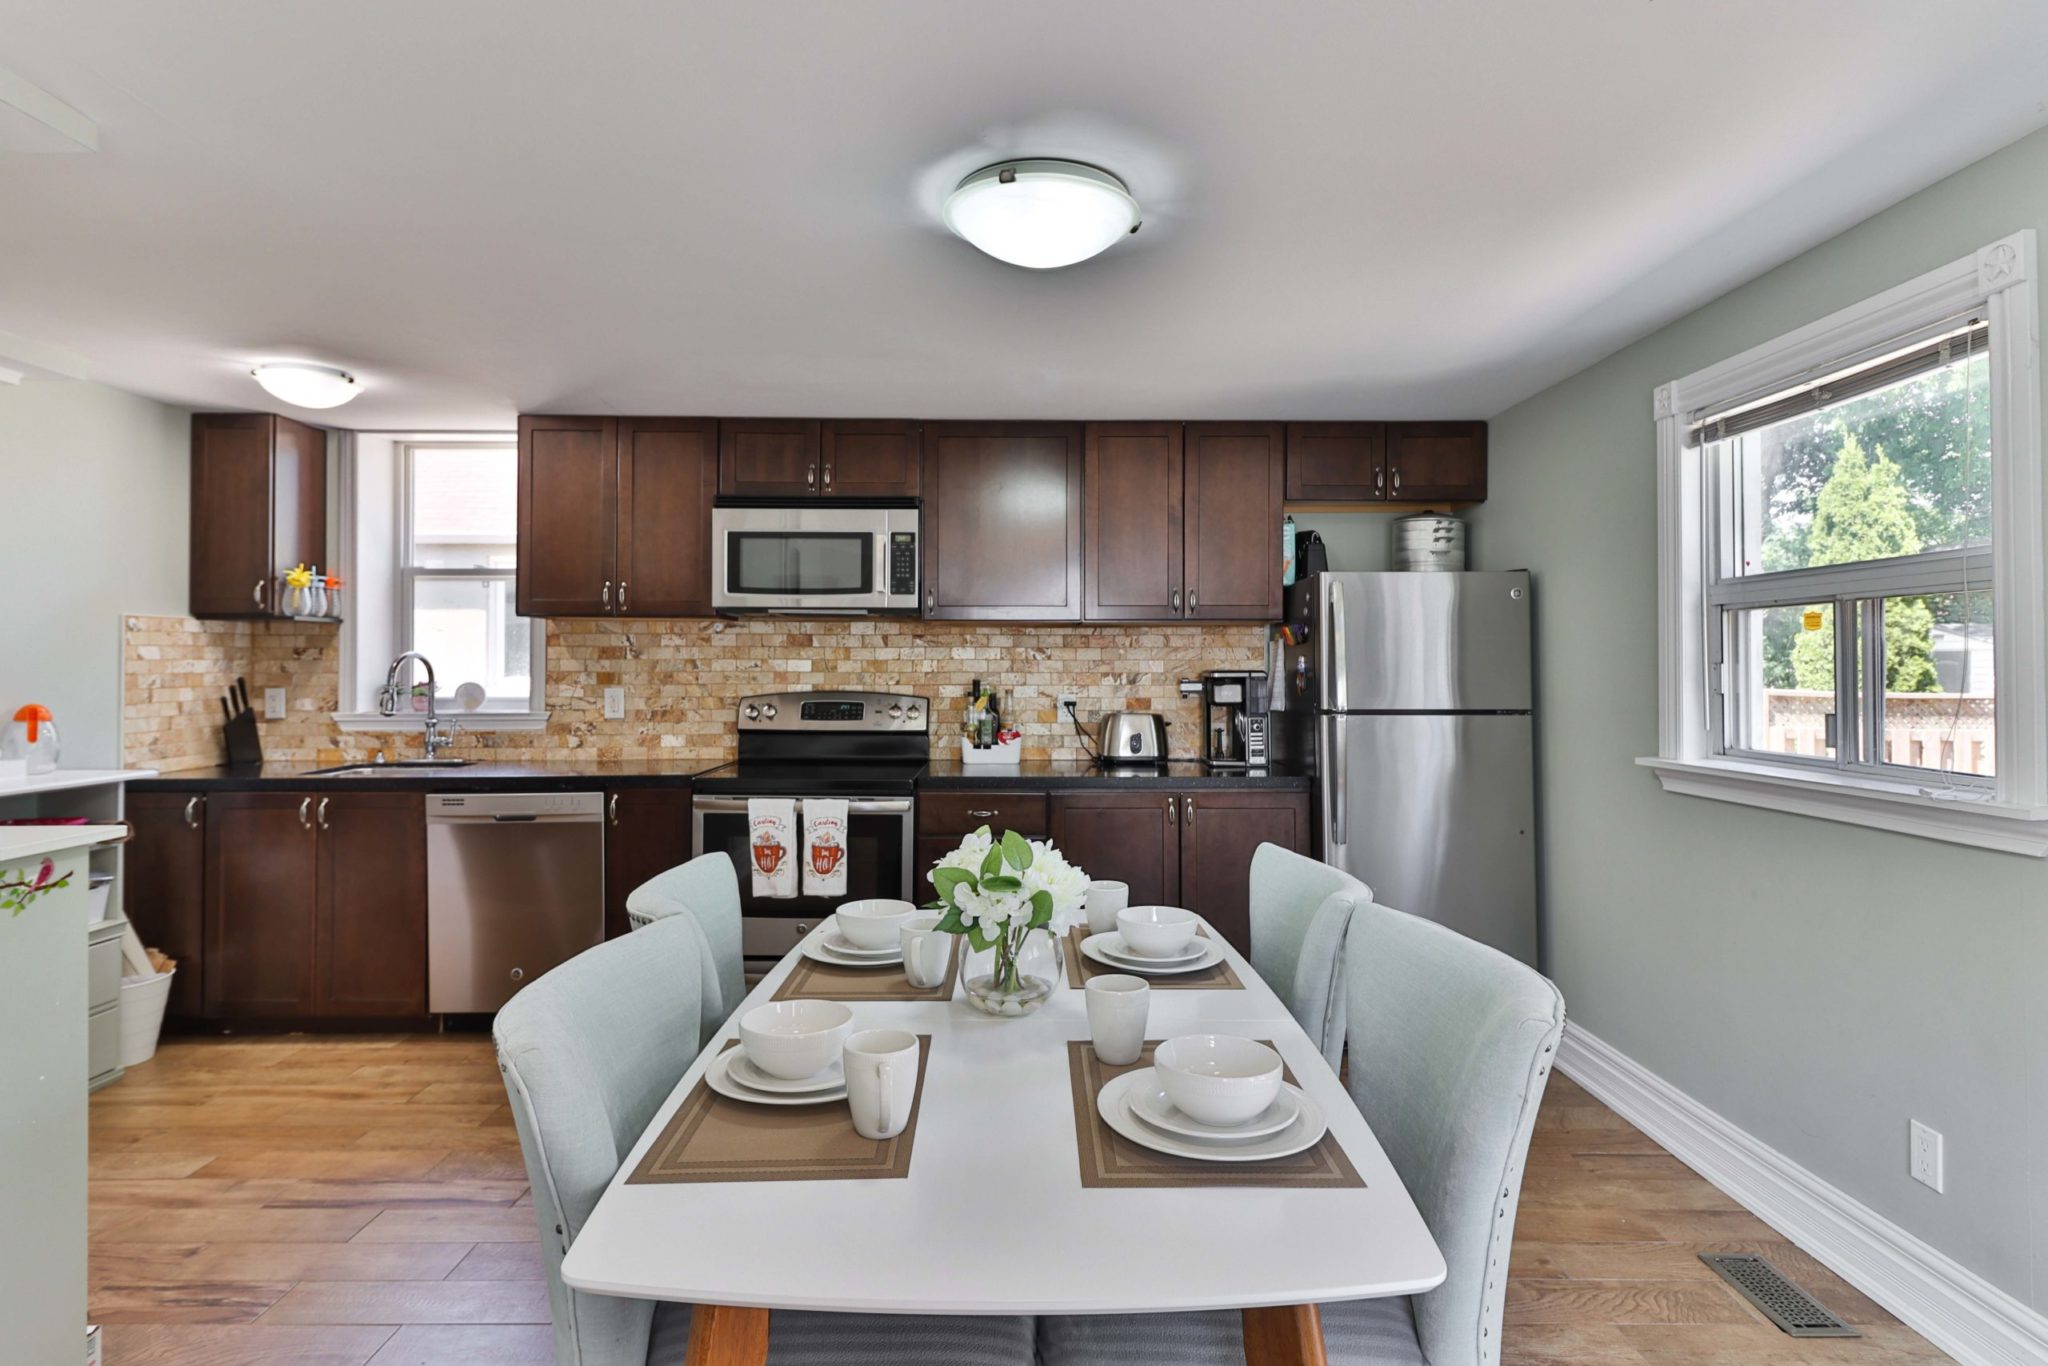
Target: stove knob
<point>769,711</point>
<point>753,712</point>
<point>895,710</point>
<point>913,713</point>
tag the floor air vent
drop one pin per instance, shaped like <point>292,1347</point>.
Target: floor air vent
<point>1782,1302</point>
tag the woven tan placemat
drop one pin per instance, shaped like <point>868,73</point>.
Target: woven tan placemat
<point>1108,1159</point>
<point>811,980</point>
<point>1080,967</point>
<point>715,1138</point>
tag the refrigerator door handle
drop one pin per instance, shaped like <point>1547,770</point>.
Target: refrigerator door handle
<point>1339,816</point>
<point>1333,670</point>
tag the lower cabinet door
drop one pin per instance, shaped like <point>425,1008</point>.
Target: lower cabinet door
<point>1220,833</point>
<point>1131,837</point>
<point>164,886</point>
<point>646,833</point>
<point>372,918</point>
<point>262,850</point>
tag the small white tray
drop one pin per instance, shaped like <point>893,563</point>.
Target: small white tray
<point>1002,756</point>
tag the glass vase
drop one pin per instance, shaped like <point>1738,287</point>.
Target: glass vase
<point>1006,988</point>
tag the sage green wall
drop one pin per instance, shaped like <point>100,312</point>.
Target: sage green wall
<point>1815,983</point>
<point>95,487</point>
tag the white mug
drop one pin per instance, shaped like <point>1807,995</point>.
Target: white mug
<point>1104,900</point>
<point>1118,1005</point>
<point>926,952</point>
<point>881,1081</point>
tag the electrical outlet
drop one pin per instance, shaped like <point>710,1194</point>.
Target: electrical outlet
<point>1068,702</point>
<point>273,704</point>
<point>614,704</point>
<point>1924,1157</point>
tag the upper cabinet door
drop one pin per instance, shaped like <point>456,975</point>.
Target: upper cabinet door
<point>298,494</point>
<point>668,474</point>
<point>769,457</point>
<point>1337,462</point>
<point>1236,476</point>
<point>1002,521</point>
<point>568,496</point>
<point>1436,462</point>
<point>1131,533</point>
<point>874,458</point>
<point>231,574</point>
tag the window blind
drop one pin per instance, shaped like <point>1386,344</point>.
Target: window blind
<point>1841,386</point>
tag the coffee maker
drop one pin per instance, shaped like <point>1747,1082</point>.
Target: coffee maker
<point>1234,705</point>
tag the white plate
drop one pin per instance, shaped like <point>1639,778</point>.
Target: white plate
<point>834,939</point>
<point>1149,1102</point>
<point>1113,1103</point>
<point>1208,957</point>
<point>742,1070</point>
<point>719,1078</point>
<point>1113,944</point>
<point>816,949</point>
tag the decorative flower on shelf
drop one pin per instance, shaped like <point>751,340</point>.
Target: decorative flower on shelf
<point>298,576</point>
<point>998,892</point>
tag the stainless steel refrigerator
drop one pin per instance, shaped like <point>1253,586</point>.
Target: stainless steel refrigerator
<point>1409,700</point>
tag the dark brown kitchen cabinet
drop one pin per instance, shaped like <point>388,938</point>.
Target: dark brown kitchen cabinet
<point>1131,530</point>
<point>1336,462</point>
<point>769,457</point>
<point>1190,848</point>
<point>668,475</point>
<point>1436,462</point>
<point>1232,505</point>
<point>259,507</point>
<point>370,918</point>
<point>164,879</point>
<point>951,815</point>
<point>568,516</point>
<point>316,905</point>
<point>1002,521</point>
<point>869,458</point>
<point>646,833</point>
<point>615,516</point>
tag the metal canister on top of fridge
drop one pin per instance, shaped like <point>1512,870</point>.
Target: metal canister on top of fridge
<point>1429,542</point>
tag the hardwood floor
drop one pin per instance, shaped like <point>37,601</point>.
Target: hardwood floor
<point>336,1202</point>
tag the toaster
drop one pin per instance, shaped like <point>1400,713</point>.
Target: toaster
<point>1133,737</point>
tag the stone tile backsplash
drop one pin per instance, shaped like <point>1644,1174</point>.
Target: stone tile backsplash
<point>682,681</point>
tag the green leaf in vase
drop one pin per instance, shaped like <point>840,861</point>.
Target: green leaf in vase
<point>993,864</point>
<point>951,923</point>
<point>1041,909</point>
<point>1002,882</point>
<point>948,881</point>
<point>1016,850</point>
<point>981,940</point>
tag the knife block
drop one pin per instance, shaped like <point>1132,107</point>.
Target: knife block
<point>245,746</point>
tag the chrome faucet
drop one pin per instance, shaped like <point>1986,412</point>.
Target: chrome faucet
<point>387,703</point>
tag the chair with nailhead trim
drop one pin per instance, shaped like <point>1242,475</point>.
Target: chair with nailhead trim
<point>1451,1045</point>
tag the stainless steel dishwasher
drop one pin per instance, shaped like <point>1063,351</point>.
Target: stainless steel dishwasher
<point>515,885</point>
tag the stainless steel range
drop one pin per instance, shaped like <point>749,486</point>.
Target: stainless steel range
<point>866,748</point>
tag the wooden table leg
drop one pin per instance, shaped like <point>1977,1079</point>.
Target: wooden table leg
<point>1283,1335</point>
<point>722,1335</point>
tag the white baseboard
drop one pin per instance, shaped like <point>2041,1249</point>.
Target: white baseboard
<point>1951,1306</point>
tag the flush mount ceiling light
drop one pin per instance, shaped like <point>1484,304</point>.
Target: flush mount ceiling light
<point>1042,214</point>
<point>307,386</point>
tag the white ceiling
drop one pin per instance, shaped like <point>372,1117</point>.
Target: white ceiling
<point>1355,208</point>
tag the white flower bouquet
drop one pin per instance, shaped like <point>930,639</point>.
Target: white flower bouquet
<point>998,891</point>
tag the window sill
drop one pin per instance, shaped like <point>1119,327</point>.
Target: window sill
<point>468,720</point>
<point>1897,807</point>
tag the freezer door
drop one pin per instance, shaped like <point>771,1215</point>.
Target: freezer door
<point>1419,642</point>
<point>1437,815</point>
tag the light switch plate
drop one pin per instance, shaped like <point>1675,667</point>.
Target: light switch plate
<point>614,704</point>
<point>273,704</point>
<point>1924,1156</point>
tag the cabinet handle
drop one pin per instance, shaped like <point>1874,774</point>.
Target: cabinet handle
<point>1397,478</point>
<point>828,476</point>
<point>612,808</point>
<point>622,595</point>
<point>1173,811</point>
<point>1176,602</point>
<point>320,814</point>
<point>258,594</point>
<point>1193,602</point>
<point>605,595</point>
<point>984,815</point>
<point>1191,813</point>
<point>305,805</point>
<point>192,813</point>
<point>811,475</point>
<point>931,599</point>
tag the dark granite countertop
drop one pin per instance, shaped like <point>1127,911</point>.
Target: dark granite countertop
<point>1045,775</point>
<point>476,777</point>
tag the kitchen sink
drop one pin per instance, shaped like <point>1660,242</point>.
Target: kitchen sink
<point>414,767</point>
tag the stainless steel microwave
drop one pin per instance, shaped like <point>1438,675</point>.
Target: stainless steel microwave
<point>804,559</point>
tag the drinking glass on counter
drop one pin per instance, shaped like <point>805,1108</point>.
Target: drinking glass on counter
<point>1103,900</point>
<point>1118,1006</point>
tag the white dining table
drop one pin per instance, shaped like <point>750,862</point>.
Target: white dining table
<point>993,1217</point>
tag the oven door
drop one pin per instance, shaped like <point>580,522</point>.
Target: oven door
<point>879,863</point>
<point>814,560</point>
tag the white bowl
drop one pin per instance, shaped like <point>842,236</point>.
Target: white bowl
<point>795,1039</point>
<point>873,924</point>
<point>1156,931</point>
<point>1218,1079</point>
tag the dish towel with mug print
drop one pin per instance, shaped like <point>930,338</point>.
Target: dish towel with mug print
<point>824,846</point>
<point>771,835</point>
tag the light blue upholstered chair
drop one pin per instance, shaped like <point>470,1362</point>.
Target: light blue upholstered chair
<point>589,1052</point>
<point>707,891</point>
<point>1300,910</point>
<point>1451,1047</point>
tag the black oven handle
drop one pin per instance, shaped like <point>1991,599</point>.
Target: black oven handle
<point>855,806</point>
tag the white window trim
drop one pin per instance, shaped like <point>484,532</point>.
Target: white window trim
<point>535,718</point>
<point>2002,279</point>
